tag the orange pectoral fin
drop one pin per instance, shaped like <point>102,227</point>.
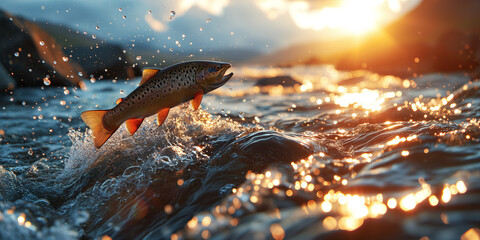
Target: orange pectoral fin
<point>133,124</point>
<point>162,115</point>
<point>197,100</point>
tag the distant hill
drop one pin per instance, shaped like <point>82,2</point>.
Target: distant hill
<point>307,53</point>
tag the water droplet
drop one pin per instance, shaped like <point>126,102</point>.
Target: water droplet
<point>65,59</point>
<point>119,9</point>
<point>66,92</point>
<point>171,49</point>
<point>94,36</point>
<point>63,103</point>
<point>11,19</point>
<point>24,103</point>
<point>93,80</point>
<point>172,14</point>
<point>122,92</point>
<point>54,62</point>
<point>201,29</point>
<point>80,74</point>
<point>149,11</point>
<point>40,117</point>
<point>85,33</point>
<point>30,151</point>
<point>119,58</point>
<point>16,54</point>
<point>97,27</point>
<point>42,43</point>
<point>46,81</point>
<point>11,99</point>
<point>124,17</point>
<point>138,58</point>
<point>208,20</point>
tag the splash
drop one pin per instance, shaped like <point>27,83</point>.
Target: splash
<point>178,134</point>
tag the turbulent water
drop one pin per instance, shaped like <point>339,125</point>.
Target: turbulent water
<point>343,155</point>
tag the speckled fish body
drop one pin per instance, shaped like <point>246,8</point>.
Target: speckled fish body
<point>159,91</point>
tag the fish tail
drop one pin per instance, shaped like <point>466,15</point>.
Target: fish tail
<point>94,120</point>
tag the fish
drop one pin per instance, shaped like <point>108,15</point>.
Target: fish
<point>159,91</point>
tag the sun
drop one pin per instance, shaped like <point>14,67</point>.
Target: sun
<point>358,16</point>
<point>350,16</point>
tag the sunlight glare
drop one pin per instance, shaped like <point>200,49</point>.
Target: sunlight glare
<point>367,99</point>
<point>352,16</point>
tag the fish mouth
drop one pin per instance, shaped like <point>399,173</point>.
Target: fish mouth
<point>222,79</point>
<point>221,76</point>
<point>227,77</point>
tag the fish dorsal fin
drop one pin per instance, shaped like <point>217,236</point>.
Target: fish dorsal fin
<point>147,74</point>
<point>119,100</point>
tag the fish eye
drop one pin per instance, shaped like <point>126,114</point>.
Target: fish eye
<point>218,67</point>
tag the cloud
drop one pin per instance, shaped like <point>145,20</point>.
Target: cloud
<point>349,16</point>
<point>273,8</point>
<point>180,8</point>
<point>155,24</point>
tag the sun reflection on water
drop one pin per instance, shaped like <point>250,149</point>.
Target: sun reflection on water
<point>341,210</point>
<point>367,99</point>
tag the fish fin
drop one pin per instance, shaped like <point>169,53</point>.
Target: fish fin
<point>147,74</point>
<point>162,115</point>
<point>119,100</point>
<point>197,100</point>
<point>94,120</point>
<point>133,124</point>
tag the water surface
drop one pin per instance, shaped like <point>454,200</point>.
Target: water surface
<point>343,155</point>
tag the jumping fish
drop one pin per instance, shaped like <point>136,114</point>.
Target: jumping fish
<point>158,91</point>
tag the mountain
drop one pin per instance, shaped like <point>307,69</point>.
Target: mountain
<point>436,36</point>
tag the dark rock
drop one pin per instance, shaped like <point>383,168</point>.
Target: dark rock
<point>29,54</point>
<point>6,81</point>
<point>351,81</point>
<point>97,57</point>
<point>285,81</point>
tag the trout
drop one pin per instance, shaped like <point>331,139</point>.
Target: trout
<point>158,91</point>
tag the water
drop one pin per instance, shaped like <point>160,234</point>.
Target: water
<point>343,155</point>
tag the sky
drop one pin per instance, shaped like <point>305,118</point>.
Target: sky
<point>264,25</point>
